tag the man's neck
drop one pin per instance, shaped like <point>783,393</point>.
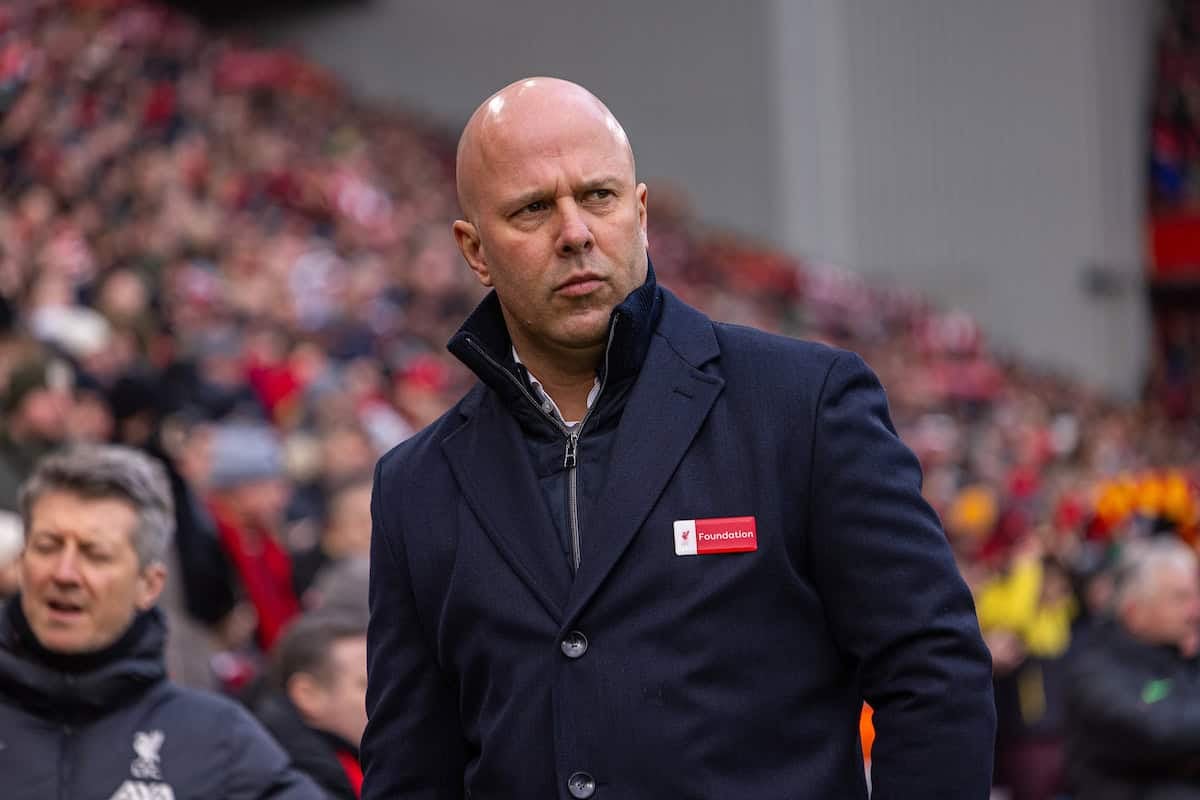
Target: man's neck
<point>566,380</point>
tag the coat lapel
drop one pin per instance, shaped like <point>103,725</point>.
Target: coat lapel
<point>666,408</point>
<point>492,465</point>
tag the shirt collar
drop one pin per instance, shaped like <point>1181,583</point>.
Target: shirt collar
<point>546,401</point>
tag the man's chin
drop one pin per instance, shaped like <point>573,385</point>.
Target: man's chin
<point>65,637</point>
<point>67,644</point>
<point>584,342</point>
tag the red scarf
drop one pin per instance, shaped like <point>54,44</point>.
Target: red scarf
<point>265,570</point>
<point>352,769</point>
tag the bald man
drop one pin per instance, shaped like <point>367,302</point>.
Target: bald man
<point>649,555</point>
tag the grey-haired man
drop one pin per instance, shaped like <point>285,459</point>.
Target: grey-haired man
<point>86,708</point>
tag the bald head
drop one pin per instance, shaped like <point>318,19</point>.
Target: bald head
<point>532,113</point>
<point>555,222</point>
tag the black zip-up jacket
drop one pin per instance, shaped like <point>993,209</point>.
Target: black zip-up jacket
<point>1133,719</point>
<point>312,751</point>
<point>570,463</point>
<point>111,726</point>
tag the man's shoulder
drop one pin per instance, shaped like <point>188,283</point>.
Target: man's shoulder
<point>411,457</point>
<point>214,723</point>
<point>745,346</point>
<point>749,341</point>
<point>191,706</point>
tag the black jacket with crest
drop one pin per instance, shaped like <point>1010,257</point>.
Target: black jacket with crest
<point>110,726</point>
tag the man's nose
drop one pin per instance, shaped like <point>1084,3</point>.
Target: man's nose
<point>66,568</point>
<point>574,237</point>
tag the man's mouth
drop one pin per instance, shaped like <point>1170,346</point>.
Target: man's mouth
<point>64,608</point>
<point>579,285</point>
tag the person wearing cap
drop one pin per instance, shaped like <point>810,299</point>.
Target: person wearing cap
<point>86,707</point>
<point>248,494</point>
<point>650,555</point>
<point>34,408</point>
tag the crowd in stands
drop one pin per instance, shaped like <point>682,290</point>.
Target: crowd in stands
<point>214,253</point>
<point>1173,198</point>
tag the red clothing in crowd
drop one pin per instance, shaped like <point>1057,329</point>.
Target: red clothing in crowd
<point>265,571</point>
<point>354,773</point>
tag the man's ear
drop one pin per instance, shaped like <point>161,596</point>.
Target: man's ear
<point>466,236</point>
<point>150,585</point>
<point>305,693</point>
<point>641,195</point>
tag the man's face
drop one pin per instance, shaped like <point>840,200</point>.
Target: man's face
<point>81,583</point>
<point>558,227</point>
<point>349,531</point>
<point>261,502</point>
<point>1170,611</point>
<point>44,411</point>
<point>340,705</point>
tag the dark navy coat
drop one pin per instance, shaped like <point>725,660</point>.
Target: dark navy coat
<point>496,673</point>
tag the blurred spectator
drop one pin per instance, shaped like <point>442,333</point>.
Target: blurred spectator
<point>342,588</point>
<point>317,707</point>
<point>323,463</point>
<point>34,405</point>
<point>346,534</point>
<point>201,591</point>
<point>1028,617</point>
<point>206,576</point>
<point>1134,689</point>
<point>248,495</point>
<point>12,541</point>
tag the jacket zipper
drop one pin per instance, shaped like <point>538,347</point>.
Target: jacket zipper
<point>570,459</point>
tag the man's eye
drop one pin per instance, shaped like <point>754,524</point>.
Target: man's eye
<point>600,194</point>
<point>535,207</point>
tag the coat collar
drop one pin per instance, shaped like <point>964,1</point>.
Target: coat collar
<point>484,345</point>
<point>670,398</point>
<point>84,686</point>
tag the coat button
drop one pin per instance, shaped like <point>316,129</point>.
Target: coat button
<point>581,785</point>
<point>574,644</point>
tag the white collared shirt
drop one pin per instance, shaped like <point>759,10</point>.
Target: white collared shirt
<point>546,401</point>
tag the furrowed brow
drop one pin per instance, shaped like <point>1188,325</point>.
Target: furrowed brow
<point>520,201</point>
<point>602,182</point>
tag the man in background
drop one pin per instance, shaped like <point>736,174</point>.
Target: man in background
<point>316,708</point>
<point>345,536</point>
<point>86,708</point>
<point>248,492</point>
<point>33,409</point>
<point>1133,698</point>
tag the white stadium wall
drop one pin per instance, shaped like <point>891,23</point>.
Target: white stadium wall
<point>986,153</point>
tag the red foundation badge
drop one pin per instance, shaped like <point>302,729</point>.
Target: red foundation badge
<point>697,537</point>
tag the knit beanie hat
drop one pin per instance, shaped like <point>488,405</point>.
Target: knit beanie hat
<point>243,452</point>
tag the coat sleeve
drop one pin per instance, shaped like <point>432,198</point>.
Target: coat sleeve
<point>258,769</point>
<point>897,607</point>
<point>413,745</point>
<point>1130,732</point>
